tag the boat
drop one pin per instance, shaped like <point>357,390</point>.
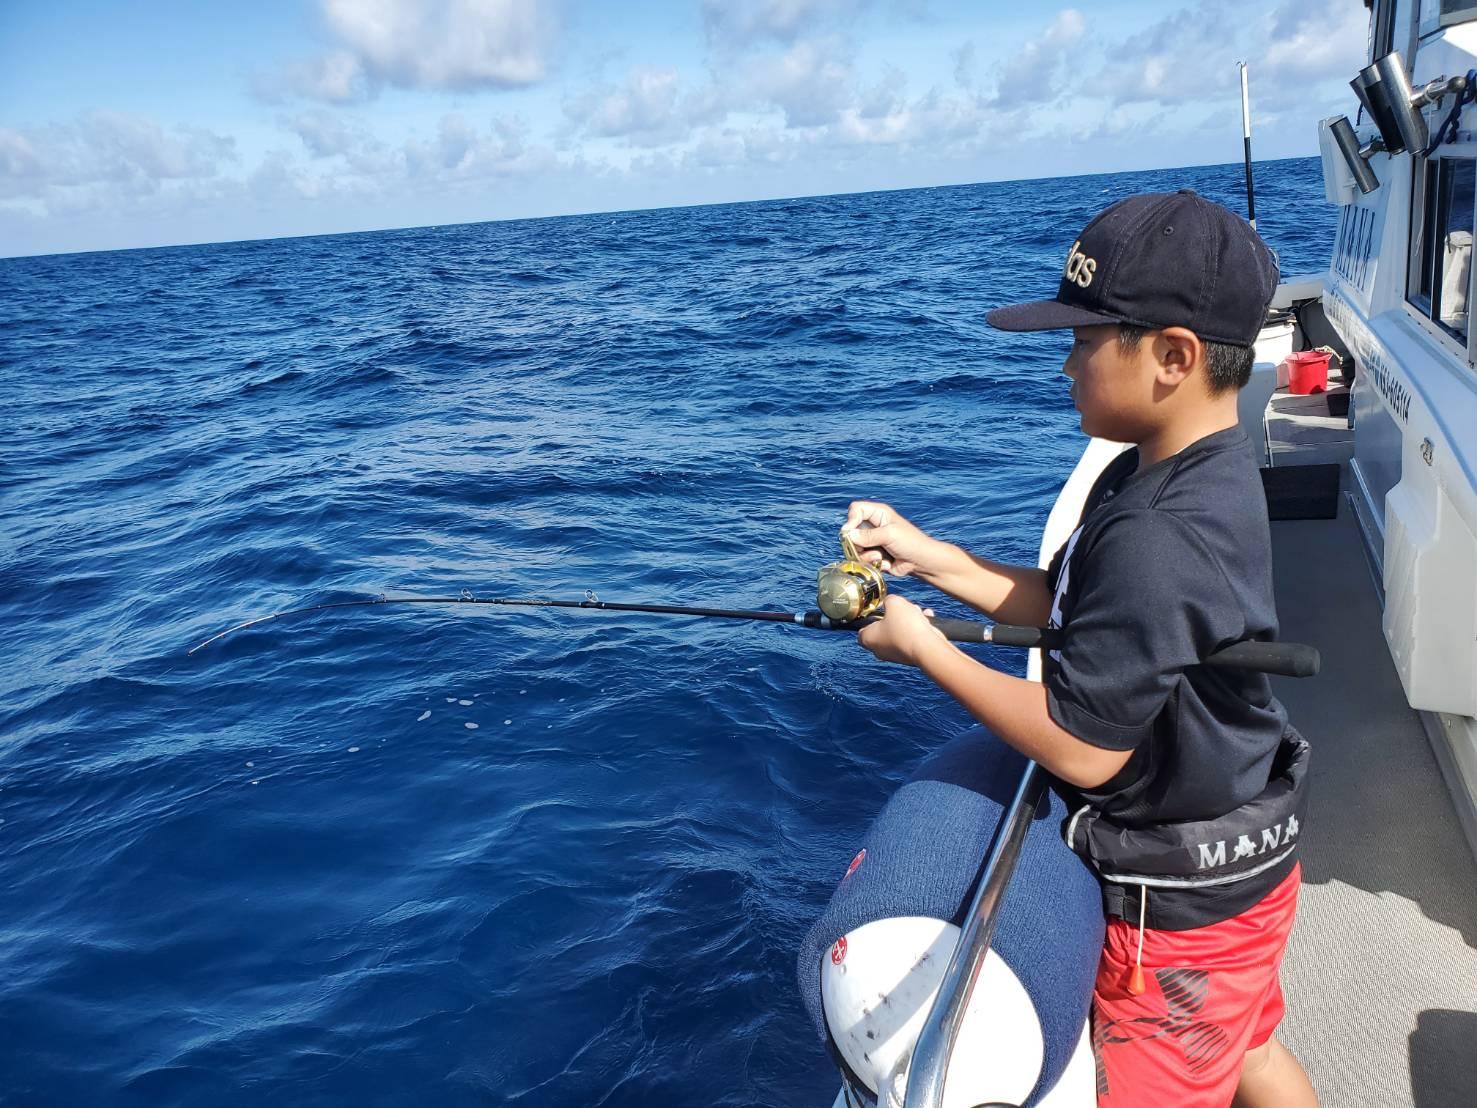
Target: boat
<point>1372,488</point>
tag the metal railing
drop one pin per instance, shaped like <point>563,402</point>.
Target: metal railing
<point>926,1067</point>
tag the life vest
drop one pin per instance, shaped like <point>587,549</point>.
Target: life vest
<point>1192,854</point>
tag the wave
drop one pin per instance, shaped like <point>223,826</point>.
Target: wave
<point>540,856</point>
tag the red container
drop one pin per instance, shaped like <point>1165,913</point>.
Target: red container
<point>1307,372</point>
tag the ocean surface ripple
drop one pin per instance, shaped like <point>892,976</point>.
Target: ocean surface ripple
<point>419,855</point>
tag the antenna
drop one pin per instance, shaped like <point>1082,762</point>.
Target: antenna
<point>1246,139</point>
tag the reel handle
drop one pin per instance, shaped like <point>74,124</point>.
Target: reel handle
<point>1286,659</point>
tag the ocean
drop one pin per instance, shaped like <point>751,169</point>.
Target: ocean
<point>465,856</point>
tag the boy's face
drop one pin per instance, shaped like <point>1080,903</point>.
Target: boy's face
<point>1112,389</point>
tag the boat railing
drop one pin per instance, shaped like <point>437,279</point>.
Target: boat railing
<point>922,1073</point>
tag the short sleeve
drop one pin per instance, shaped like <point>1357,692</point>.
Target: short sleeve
<point>1150,601</point>
<point>1054,567</point>
<point>1111,476</point>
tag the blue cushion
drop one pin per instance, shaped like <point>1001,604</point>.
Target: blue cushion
<point>924,854</point>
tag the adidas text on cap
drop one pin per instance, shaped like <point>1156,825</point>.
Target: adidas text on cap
<point>1161,259</point>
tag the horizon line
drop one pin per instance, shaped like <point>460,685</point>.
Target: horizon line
<point>653,208</point>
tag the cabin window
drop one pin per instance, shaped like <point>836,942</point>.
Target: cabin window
<point>1441,255</point>
<point>1382,28</point>
<point>1457,11</point>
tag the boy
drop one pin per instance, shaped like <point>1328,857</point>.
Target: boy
<point>1186,782</point>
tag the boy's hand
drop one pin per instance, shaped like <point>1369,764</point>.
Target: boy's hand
<point>888,541</point>
<point>904,635</point>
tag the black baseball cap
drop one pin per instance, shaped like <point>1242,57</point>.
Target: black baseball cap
<point>1161,259</point>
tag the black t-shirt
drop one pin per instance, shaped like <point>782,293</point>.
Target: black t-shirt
<point>1168,566</point>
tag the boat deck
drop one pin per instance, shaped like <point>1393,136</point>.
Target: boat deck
<point>1381,969</point>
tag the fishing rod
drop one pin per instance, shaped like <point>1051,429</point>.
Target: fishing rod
<point>957,630</point>
<point>1246,138</point>
<point>849,594</point>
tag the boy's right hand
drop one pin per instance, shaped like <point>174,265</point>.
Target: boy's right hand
<point>888,541</point>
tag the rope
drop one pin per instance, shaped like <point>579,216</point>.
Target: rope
<point>1448,129</point>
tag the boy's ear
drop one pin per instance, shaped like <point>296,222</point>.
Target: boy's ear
<point>1177,351</point>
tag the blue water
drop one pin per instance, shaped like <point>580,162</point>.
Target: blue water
<point>263,873</point>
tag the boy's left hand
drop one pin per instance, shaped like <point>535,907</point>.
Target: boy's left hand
<point>904,635</point>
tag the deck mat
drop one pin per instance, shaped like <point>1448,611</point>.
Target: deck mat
<point>1381,969</point>
<point>1302,492</point>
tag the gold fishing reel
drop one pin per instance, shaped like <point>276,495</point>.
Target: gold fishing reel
<point>849,589</point>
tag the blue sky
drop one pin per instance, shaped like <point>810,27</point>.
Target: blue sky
<point>126,123</point>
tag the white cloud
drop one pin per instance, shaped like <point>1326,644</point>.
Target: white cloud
<point>336,78</point>
<point>1192,54</point>
<point>1035,73</point>
<point>811,90</point>
<point>1179,58</point>
<point>120,146</point>
<point>326,134</point>
<point>277,179</point>
<point>107,148</point>
<point>452,45</point>
<point>811,83</point>
<point>719,150</point>
<point>647,103</point>
<point>461,151</point>
<point>447,44</point>
<point>1312,42</point>
<point>19,159</point>
<point>964,61</point>
<point>786,96</point>
<point>791,96</point>
<point>737,25</point>
<point>740,23</point>
<point>650,108</point>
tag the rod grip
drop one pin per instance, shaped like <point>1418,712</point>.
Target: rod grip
<point>965,630</point>
<point>1285,659</point>
<point>1005,634</point>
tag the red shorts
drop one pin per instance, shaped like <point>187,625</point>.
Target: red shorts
<point>1211,994</point>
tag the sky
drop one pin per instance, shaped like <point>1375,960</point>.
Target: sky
<point>126,124</point>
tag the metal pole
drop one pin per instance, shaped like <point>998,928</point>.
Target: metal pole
<point>928,1067</point>
<point>1246,139</point>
